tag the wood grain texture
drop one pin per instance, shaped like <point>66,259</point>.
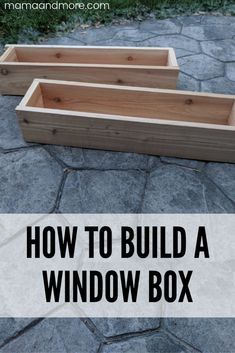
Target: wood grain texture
<point>9,55</point>
<point>95,55</point>
<point>146,67</point>
<point>232,116</point>
<point>132,119</point>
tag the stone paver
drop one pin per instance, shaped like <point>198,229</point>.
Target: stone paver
<point>10,134</point>
<point>160,27</point>
<point>207,335</point>
<point>176,41</point>
<point>187,163</point>
<point>154,343</point>
<point>55,335</point>
<point>172,189</point>
<point>11,327</point>
<point>103,192</point>
<point>190,20</point>
<point>79,158</point>
<point>230,71</point>
<point>63,41</point>
<point>92,36</point>
<point>42,179</point>
<point>181,53</point>
<point>223,50</point>
<point>29,181</point>
<point>218,85</point>
<point>187,83</point>
<point>119,42</point>
<point>201,66</point>
<point>114,327</point>
<point>223,177</point>
<point>217,20</point>
<point>207,32</point>
<point>134,35</point>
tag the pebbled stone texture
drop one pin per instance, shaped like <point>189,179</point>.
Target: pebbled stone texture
<point>42,179</point>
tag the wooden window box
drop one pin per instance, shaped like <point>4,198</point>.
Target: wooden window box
<point>147,67</point>
<point>134,119</point>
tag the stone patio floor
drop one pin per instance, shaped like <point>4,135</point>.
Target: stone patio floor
<point>36,178</point>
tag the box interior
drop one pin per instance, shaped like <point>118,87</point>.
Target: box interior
<point>134,103</point>
<point>115,56</point>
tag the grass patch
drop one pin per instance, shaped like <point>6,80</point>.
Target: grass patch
<point>20,25</point>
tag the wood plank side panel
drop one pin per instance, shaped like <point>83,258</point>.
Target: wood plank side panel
<point>9,55</point>
<point>157,139</point>
<point>36,99</point>
<point>171,60</point>
<point>231,120</point>
<point>118,56</point>
<point>126,102</point>
<point>18,79</point>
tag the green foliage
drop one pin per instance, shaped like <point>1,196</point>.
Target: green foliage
<point>19,24</point>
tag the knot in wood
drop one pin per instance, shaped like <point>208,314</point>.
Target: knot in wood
<point>4,72</point>
<point>57,99</point>
<point>189,101</point>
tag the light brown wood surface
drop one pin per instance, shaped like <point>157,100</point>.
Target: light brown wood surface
<point>134,119</point>
<point>147,67</point>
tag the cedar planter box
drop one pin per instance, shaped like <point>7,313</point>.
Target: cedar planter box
<point>147,67</point>
<point>153,121</point>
